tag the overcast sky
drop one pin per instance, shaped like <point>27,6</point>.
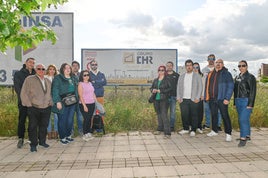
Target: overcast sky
<point>231,29</point>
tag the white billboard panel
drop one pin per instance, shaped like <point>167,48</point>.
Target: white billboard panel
<point>45,52</point>
<point>129,66</point>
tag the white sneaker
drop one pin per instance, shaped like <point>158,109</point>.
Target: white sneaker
<point>212,133</point>
<point>85,137</point>
<point>183,132</point>
<point>228,138</point>
<point>199,130</point>
<point>192,134</point>
<point>88,135</point>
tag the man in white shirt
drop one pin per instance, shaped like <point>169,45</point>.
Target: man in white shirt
<point>189,90</point>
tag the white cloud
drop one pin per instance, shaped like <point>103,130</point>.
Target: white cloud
<point>172,27</point>
<point>231,29</point>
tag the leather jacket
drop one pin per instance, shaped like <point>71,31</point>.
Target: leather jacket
<point>245,87</point>
<point>165,87</point>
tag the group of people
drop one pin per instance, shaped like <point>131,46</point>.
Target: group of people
<point>208,92</point>
<point>43,95</point>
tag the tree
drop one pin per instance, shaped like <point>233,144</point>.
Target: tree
<point>11,32</point>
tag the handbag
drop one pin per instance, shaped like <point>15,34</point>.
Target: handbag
<point>69,99</point>
<point>152,98</point>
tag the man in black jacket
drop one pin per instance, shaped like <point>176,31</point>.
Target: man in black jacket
<point>19,77</point>
<point>173,78</point>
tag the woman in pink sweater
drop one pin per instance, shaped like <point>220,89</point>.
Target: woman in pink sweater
<point>87,100</point>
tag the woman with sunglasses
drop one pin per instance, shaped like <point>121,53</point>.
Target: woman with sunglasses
<point>87,100</point>
<point>244,98</point>
<point>161,87</point>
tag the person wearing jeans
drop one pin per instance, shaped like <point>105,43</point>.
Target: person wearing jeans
<point>79,117</point>
<point>244,98</point>
<point>173,78</point>
<point>63,84</point>
<point>208,116</point>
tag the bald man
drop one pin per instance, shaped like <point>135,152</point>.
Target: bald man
<point>218,92</point>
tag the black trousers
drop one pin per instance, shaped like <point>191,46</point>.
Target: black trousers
<point>189,114</point>
<point>214,106</point>
<point>22,120</point>
<point>161,109</point>
<point>87,117</point>
<point>38,122</point>
<point>200,113</point>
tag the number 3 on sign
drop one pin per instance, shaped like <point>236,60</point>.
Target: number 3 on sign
<point>3,75</point>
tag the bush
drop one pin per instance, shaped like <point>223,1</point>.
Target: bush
<point>127,109</point>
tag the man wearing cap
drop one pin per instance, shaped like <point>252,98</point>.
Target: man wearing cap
<point>205,71</point>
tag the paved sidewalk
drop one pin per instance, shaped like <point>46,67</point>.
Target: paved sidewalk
<point>139,154</point>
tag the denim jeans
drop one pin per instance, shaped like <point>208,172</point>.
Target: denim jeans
<point>172,106</point>
<point>55,118</point>
<point>215,106</point>
<point>208,115</point>
<point>161,109</point>
<point>66,121</point>
<point>243,116</point>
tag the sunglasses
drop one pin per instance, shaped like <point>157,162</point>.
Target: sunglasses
<point>161,70</point>
<point>86,75</point>
<point>241,65</point>
<point>211,59</point>
<point>41,69</point>
<point>196,67</point>
<point>94,64</point>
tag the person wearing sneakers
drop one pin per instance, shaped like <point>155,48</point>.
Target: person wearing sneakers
<point>64,84</point>
<point>218,92</point>
<point>87,100</point>
<point>211,64</point>
<point>189,90</point>
<point>244,98</point>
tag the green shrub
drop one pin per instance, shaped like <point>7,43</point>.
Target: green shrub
<point>127,109</point>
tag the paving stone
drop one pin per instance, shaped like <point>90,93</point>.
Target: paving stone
<point>139,155</point>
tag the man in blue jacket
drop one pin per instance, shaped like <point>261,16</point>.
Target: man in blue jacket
<point>218,92</point>
<point>98,80</point>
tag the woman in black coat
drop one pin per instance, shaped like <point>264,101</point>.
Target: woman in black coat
<point>161,88</point>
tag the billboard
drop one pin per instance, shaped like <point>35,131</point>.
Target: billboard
<point>45,52</point>
<point>128,66</point>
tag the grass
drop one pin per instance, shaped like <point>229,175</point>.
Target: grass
<point>127,109</point>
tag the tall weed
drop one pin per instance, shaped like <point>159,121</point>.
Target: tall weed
<point>127,109</point>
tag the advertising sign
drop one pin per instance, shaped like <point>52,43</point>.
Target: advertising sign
<point>129,66</point>
<point>45,52</point>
